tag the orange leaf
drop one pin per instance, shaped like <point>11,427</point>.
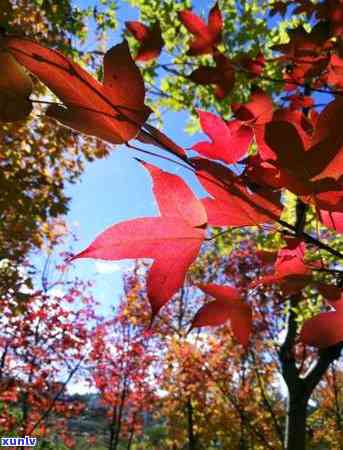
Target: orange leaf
<point>115,108</point>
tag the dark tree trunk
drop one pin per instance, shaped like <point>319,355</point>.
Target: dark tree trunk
<point>112,427</point>
<point>130,440</point>
<point>119,418</point>
<point>295,433</point>
<point>191,435</point>
<point>300,387</point>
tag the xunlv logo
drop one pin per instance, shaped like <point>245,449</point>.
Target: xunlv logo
<point>18,441</point>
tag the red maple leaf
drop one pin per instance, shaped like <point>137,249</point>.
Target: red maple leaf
<point>113,110</point>
<point>290,271</point>
<point>303,125</point>
<point>324,329</point>
<point>290,142</point>
<point>306,52</point>
<point>335,72</point>
<point>269,168</point>
<point>228,306</point>
<point>172,240</point>
<point>324,154</point>
<point>150,39</point>
<point>230,140</point>
<point>333,220</point>
<point>222,75</point>
<point>252,67</point>
<point>206,37</point>
<point>303,44</point>
<point>232,204</point>
<point>258,111</point>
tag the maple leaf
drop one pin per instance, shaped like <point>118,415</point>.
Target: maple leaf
<point>302,124</point>
<point>252,67</point>
<point>306,53</point>
<point>330,200</point>
<point>150,39</point>
<point>15,89</point>
<point>267,170</point>
<point>335,72</point>
<point>264,173</point>
<point>303,44</point>
<point>258,111</point>
<point>222,75</point>
<point>230,140</point>
<point>292,141</point>
<point>325,329</point>
<point>290,271</point>
<point>324,155</point>
<point>206,37</point>
<point>260,172</point>
<point>228,306</point>
<point>290,259</point>
<point>172,240</point>
<point>232,204</point>
<point>333,220</point>
<point>113,110</point>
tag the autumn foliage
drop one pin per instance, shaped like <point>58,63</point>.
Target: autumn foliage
<point>273,166</point>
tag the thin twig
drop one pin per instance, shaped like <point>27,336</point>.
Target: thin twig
<point>56,396</point>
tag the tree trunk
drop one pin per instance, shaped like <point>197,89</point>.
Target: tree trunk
<point>112,427</point>
<point>130,440</point>
<point>120,417</point>
<point>191,436</point>
<point>298,394</point>
<point>295,435</point>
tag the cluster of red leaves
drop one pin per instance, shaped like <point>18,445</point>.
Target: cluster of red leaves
<point>40,343</point>
<point>312,54</point>
<point>206,41</point>
<point>285,137</point>
<point>292,274</point>
<point>122,356</point>
<point>290,270</point>
<point>222,75</point>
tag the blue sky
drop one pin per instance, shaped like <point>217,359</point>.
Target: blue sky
<point>118,188</point>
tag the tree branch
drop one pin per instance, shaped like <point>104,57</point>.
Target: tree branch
<point>315,374</point>
<point>289,369</point>
<point>267,402</point>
